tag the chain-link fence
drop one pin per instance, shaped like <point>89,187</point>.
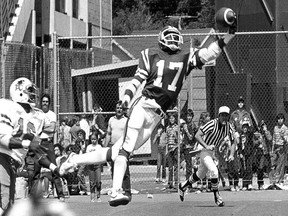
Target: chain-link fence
<point>85,71</point>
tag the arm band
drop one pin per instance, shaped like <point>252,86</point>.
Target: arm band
<point>16,143</point>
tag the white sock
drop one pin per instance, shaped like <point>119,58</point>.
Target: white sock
<point>94,157</point>
<point>120,165</point>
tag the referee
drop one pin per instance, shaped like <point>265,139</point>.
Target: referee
<point>210,137</point>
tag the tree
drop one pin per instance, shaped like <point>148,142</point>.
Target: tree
<point>131,15</point>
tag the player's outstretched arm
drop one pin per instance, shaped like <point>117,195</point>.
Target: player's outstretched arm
<point>16,143</point>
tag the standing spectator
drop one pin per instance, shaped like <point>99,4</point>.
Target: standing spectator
<point>75,127</point>
<point>205,184</point>
<point>188,141</point>
<point>94,170</point>
<point>262,141</point>
<point>47,137</point>
<point>172,155</point>
<point>65,135</point>
<point>84,125</point>
<point>246,153</point>
<point>80,148</point>
<point>237,117</point>
<point>115,130</point>
<point>214,132</point>
<point>279,147</point>
<point>99,121</point>
<point>234,166</point>
<point>160,140</point>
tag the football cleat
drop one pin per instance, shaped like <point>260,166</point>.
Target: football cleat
<point>181,192</point>
<point>218,199</point>
<point>119,199</point>
<point>67,166</point>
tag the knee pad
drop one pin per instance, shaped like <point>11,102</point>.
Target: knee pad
<point>214,173</point>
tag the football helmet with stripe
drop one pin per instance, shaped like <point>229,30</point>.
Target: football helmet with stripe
<point>22,90</point>
<point>170,39</point>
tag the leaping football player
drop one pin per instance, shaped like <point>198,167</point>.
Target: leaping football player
<point>164,69</point>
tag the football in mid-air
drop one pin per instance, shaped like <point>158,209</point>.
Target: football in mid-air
<point>225,17</point>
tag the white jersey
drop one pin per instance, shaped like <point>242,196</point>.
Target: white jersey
<point>14,121</point>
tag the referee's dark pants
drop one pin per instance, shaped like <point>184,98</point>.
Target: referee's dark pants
<point>51,156</point>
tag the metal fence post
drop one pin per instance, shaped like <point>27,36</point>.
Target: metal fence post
<point>3,54</point>
<point>56,81</point>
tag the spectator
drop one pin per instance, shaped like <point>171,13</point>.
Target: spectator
<point>221,157</point>
<point>99,120</point>
<point>204,185</point>
<point>160,140</point>
<point>80,148</point>
<point>60,158</point>
<point>246,153</point>
<point>84,125</point>
<point>65,135</point>
<point>188,142</point>
<point>233,166</point>
<point>279,147</point>
<point>75,127</point>
<point>237,116</point>
<point>94,170</point>
<point>262,141</point>
<point>47,137</point>
<point>115,130</point>
<point>172,155</point>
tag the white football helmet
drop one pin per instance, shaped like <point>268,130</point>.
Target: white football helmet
<point>22,90</point>
<point>171,38</point>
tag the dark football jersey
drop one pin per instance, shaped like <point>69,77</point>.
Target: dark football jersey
<point>164,74</point>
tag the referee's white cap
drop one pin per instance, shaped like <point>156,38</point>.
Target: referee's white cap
<point>224,109</point>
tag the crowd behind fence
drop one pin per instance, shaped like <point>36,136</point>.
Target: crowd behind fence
<point>87,74</point>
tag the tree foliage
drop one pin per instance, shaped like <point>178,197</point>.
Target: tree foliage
<point>131,15</point>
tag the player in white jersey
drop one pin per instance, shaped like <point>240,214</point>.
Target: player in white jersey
<point>164,69</point>
<point>20,124</point>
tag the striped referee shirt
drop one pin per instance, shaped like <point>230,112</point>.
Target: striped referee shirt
<point>214,132</point>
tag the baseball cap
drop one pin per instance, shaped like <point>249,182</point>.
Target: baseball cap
<point>224,109</point>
